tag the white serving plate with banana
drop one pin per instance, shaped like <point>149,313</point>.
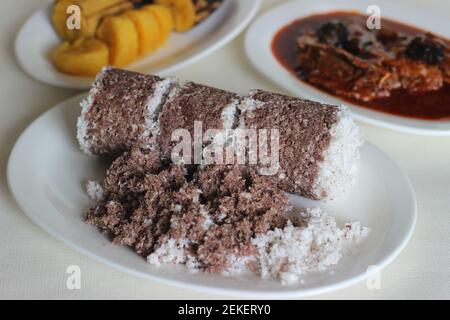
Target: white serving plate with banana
<point>37,38</point>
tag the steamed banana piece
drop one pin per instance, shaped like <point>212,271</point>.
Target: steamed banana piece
<point>121,36</point>
<point>59,18</point>
<point>147,28</point>
<point>183,12</point>
<point>83,57</point>
<point>164,17</point>
<point>92,11</point>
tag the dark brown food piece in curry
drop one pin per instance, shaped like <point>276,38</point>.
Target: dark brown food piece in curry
<point>392,69</point>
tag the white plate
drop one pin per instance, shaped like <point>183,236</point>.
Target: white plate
<point>260,35</point>
<point>47,171</point>
<point>37,37</point>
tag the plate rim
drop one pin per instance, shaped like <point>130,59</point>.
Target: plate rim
<point>245,293</point>
<point>298,88</point>
<point>251,6</point>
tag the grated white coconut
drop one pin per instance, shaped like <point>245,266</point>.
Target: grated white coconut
<point>172,251</point>
<point>229,117</point>
<point>94,190</point>
<point>85,104</point>
<point>155,103</point>
<point>312,241</point>
<point>208,218</point>
<point>238,265</point>
<point>250,104</point>
<point>337,172</point>
<point>314,244</point>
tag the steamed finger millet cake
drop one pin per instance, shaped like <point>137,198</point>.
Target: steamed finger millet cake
<point>169,214</point>
<point>189,102</point>
<point>319,143</point>
<point>121,111</point>
<point>319,151</point>
<point>224,219</point>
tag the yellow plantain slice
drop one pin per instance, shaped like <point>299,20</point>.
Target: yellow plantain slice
<point>164,18</point>
<point>59,18</point>
<point>92,11</point>
<point>83,57</point>
<point>148,30</point>
<point>122,38</point>
<point>183,12</point>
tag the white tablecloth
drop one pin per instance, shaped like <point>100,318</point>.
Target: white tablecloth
<point>33,264</point>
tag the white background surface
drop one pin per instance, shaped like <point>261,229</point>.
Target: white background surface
<point>33,265</point>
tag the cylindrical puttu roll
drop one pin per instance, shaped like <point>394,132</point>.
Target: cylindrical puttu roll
<point>318,145</point>
<point>189,103</point>
<point>121,111</point>
<point>126,109</point>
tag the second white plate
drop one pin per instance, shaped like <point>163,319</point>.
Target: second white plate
<point>47,172</point>
<point>258,48</point>
<point>37,37</point>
